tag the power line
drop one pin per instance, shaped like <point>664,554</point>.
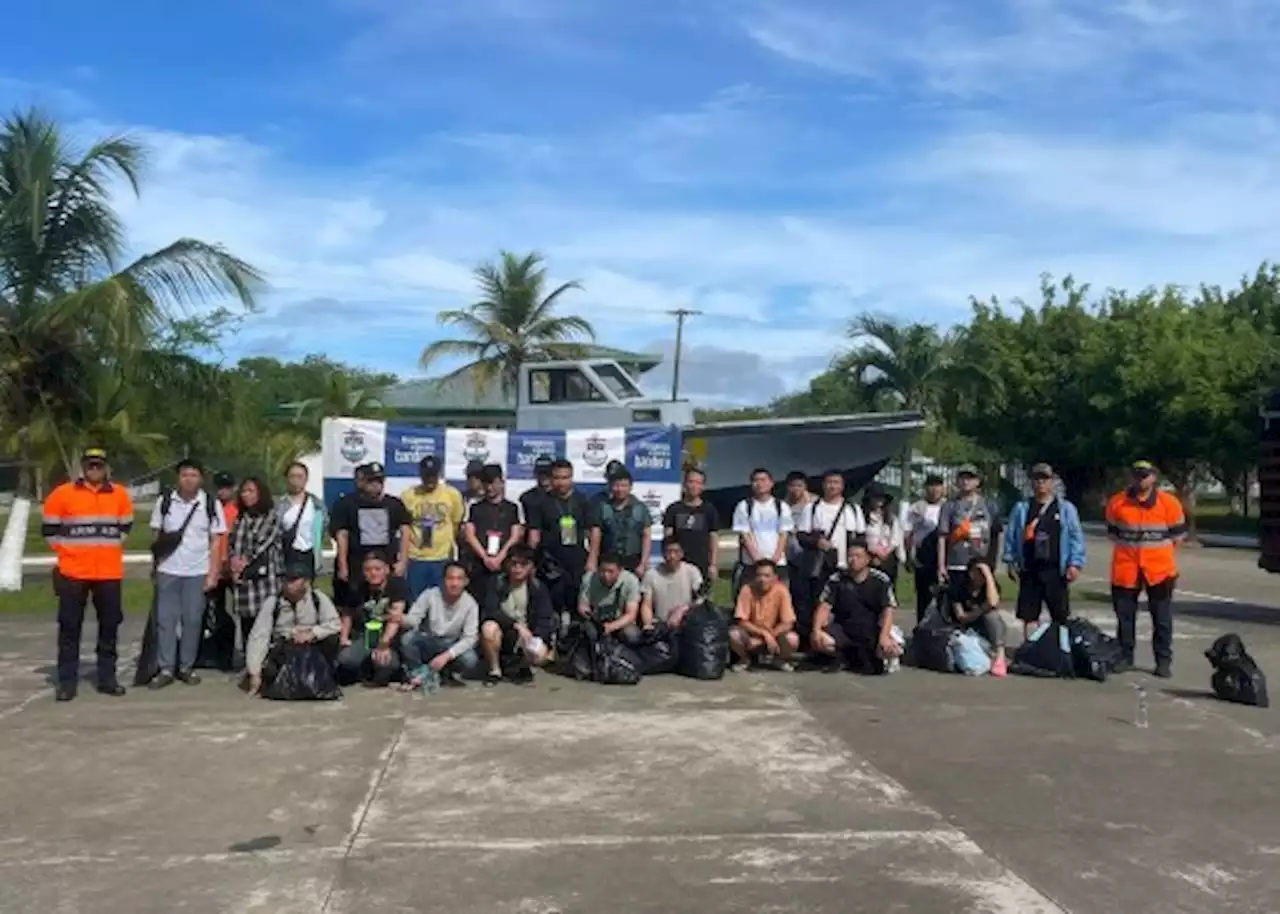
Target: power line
<point>680,314</point>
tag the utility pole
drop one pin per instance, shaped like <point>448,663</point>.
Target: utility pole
<point>680,314</point>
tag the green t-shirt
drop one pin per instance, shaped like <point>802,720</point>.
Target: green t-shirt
<point>608,603</point>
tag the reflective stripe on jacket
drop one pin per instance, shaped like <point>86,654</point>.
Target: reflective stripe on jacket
<point>86,526</point>
<point>1145,532</point>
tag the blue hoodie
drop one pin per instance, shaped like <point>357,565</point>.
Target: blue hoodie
<point>1071,553</point>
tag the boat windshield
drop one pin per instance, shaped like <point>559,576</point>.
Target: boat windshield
<point>619,384</point>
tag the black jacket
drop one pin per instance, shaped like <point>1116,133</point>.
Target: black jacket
<point>542,618</point>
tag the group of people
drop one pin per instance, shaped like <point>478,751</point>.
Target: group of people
<point>455,586</point>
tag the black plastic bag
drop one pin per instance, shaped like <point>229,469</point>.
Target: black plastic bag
<point>704,643</point>
<point>615,663</point>
<point>1236,676</point>
<point>575,653</point>
<point>1094,655</point>
<point>930,647</point>
<point>217,638</point>
<point>149,657</point>
<point>660,652</point>
<point>303,674</point>
<point>1048,654</point>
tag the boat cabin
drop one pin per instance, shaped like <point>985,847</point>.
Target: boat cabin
<point>589,393</point>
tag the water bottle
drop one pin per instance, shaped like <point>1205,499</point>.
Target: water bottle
<point>1140,713</point>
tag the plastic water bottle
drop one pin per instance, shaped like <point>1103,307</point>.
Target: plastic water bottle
<point>1140,713</point>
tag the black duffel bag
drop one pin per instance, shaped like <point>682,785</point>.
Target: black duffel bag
<point>704,643</point>
<point>1094,655</point>
<point>930,647</point>
<point>1236,676</point>
<point>1046,654</point>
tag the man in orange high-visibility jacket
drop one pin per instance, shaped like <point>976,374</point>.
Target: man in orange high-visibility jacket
<point>1146,526</point>
<point>86,522</point>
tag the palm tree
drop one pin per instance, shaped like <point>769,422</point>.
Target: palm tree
<point>908,366</point>
<point>70,307</point>
<point>512,323</point>
<point>339,397</point>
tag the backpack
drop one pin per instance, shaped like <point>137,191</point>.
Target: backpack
<point>167,499</point>
<point>1046,654</point>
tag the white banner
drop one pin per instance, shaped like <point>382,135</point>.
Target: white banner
<point>347,443</point>
<point>464,445</point>
<point>590,450</point>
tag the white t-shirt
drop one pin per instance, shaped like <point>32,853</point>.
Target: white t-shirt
<point>922,520</point>
<point>191,558</point>
<point>766,522</point>
<point>822,515</point>
<point>306,527</point>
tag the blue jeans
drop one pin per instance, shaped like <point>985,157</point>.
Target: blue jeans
<point>419,648</point>
<point>422,576</point>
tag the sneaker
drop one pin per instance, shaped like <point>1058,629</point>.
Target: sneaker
<point>188,677</point>
<point>522,676</point>
<point>492,678</point>
<point>161,681</point>
<point>111,688</point>
<point>892,665</point>
<point>452,681</point>
<point>999,666</point>
<point>66,692</point>
<point>786,666</point>
<point>738,667</point>
<point>1164,669</point>
<point>835,666</point>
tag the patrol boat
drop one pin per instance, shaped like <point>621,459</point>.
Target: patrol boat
<point>598,393</point>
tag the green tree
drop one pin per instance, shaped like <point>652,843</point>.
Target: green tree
<point>69,309</point>
<point>513,322</point>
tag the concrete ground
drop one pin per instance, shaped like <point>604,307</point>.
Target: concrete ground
<point>916,793</point>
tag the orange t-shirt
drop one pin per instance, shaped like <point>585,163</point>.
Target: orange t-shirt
<point>768,610</point>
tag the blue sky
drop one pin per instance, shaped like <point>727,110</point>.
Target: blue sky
<point>778,165</point>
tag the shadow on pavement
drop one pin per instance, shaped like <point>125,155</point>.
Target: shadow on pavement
<point>1229,612</point>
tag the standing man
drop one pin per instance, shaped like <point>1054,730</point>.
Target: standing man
<point>529,500</point>
<point>436,515</point>
<point>494,524</point>
<point>1146,525</point>
<point>85,523</point>
<point>619,525</point>
<point>825,531</point>
<point>968,528</point>
<point>1047,558</point>
<point>921,540</point>
<point>368,520</point>
<point>224,487</point>
<point>190,536</point>
<point>764,525</point>
<point>694,523</point>
<point>558,533</point>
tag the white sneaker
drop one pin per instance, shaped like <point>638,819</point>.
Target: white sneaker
<point>786,667</point>
<point>738,667</point>
<point>892,665</point>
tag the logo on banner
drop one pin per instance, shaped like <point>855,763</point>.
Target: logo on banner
<point>476,447</point>
<point>353,447</point>
<point>595,452</point>
<point>653,501</point>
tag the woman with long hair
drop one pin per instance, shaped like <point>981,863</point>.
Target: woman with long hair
<point>302,520</point>
<point>885,538</point>
<point>257,556</point>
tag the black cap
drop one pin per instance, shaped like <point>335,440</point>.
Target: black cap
<point>613,467</point>
<point>429,465</point>
<point>491,472</point>
<point>474,468</point>
<point>620,473</point>
<point>90,454</point>
<point>297,569</point>
<point>542,466</point>
<point>375,470</point>
<point>223,480</point>
<point>933,479</point>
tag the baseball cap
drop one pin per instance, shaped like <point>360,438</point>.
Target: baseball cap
<point>612,467</point>
<point>375,470</point>
<point>429,464</point>
<point>620,472</point>
<point>223,480</point>
<point>1042,471</point>
<point>543,464</point>
<point>968,469</point>
<point>1143,466</point>
<point>93,453</point>
<point>934,479</point>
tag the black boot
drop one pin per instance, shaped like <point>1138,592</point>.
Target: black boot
<point>1164,668</point>
<point>66,691</point>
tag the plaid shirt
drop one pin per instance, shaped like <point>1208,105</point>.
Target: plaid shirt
<point>256,539</point>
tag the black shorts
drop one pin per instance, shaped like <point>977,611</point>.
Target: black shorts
<point>1046,589</point>
<point>957,586</point>
<point>858,646</point>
